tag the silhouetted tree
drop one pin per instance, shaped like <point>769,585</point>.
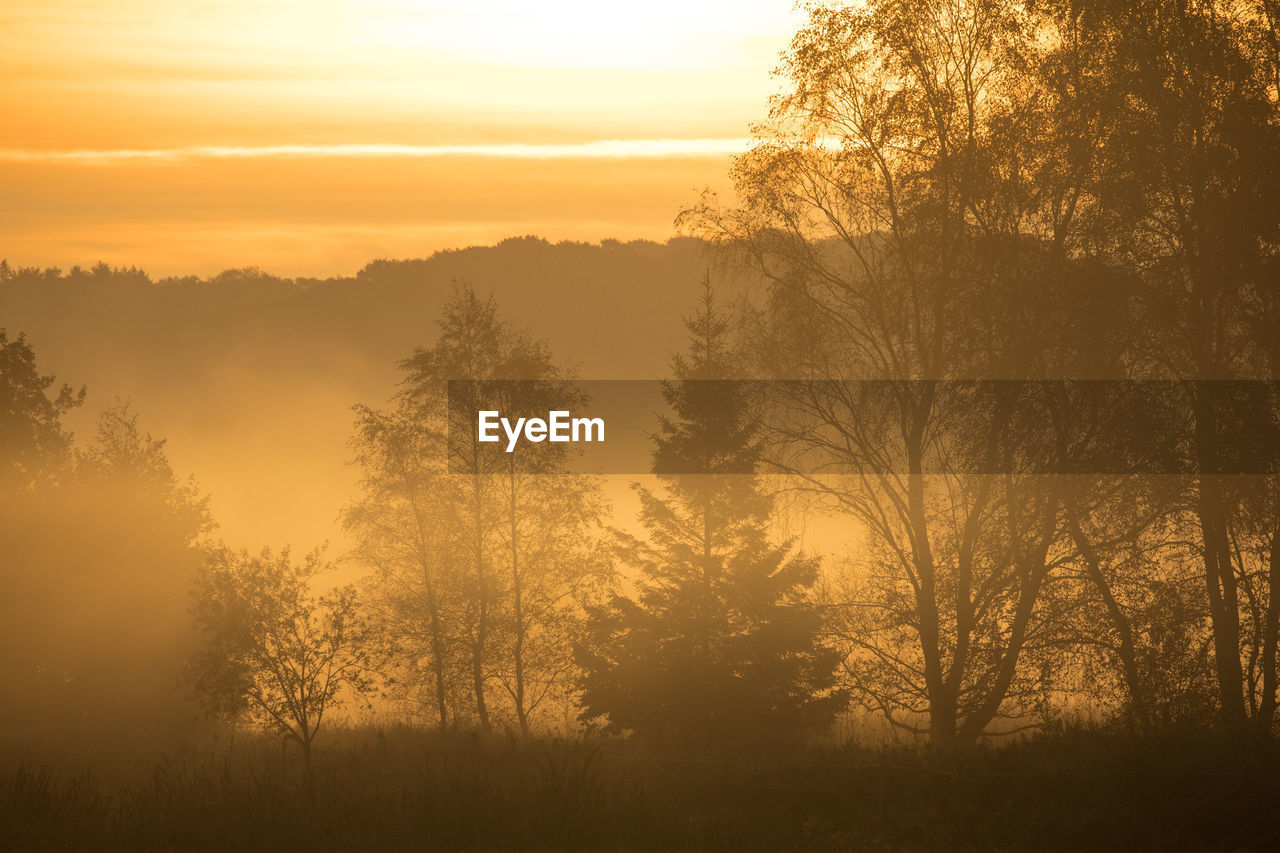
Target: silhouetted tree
<point>101,544</point>
<point>404,527</point>
<point>498,546</point>
<point>34,446</point>
<point>473,344</point>
<point>720,641</point>
<point>275,652</point>
<point>931,192</point>
<point>1185,190</point>
<point>129,463</point>
<point>879,202</point>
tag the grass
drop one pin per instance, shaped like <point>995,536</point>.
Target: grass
<point>396,788</point>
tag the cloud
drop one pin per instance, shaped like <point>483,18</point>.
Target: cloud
<point>597,149</point>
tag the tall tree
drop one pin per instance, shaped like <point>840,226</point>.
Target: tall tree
<point>100,558</point>
<point>474,345</point>
<point>499,544</point>
<point>406,533</point>
<point>939,175</point>
<point>915,202</point>
<point>875,202</point>
<point>1188,179</point>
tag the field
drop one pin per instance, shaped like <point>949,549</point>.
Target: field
<point>397,788</point>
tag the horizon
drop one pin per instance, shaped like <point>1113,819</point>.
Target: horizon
<point>154,277</point>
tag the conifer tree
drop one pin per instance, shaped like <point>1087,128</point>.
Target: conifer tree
<point>719,642</point>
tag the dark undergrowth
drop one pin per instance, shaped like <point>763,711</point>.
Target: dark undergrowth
<point>400,789</point>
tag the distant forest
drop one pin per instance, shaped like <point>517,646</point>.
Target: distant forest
<point>606,306</point>
<point>208,362</point>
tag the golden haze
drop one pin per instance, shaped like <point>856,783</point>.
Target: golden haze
<point>361,130</point>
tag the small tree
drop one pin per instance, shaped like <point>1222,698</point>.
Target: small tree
<point>275,653</point>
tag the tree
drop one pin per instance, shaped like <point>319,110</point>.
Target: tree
<point>127,460</point>
<point>720,641</point>
<point>33,444</point>
<point>878,202</point>
<point>274,652</point>
<point>99,562</point>
<point>1186,188</point>
<point>924,201</point>
<point>473,344</point>
<point>554,568</point>
<point>496,548</point>
<point>405,532</point>
<point>938,181</point>
<point>548,538</point>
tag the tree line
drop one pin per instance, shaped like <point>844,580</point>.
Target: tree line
<point>498,598</point>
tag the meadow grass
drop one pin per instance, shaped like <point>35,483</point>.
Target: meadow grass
<point>399,788</point>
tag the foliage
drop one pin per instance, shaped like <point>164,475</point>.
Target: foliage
<point>481,558</point>
<point>1022,194</point>
<point>720,642</point>
<point>33,444</point>
<point>276,653</point>
<point>101,543</point>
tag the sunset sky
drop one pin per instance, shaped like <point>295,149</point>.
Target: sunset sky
<point>309,138</point>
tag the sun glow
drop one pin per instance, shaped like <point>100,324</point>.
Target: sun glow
<point>137,117</point>
<point>581,34</point>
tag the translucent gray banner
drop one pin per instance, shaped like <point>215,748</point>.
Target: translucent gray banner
<point>1077,427</point>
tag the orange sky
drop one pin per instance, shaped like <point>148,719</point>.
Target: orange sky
<point>308,138</point>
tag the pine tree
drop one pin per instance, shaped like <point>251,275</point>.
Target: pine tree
<point>719,643</point>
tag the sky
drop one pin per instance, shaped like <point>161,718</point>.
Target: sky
<point>309,138</point>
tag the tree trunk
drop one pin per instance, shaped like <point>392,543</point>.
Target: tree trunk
<point>482,607</point>
<point>1219,573</point>
<point>1139,706</point>
<point>1270,632</point>
<point>309,779</point>
<point>433,606</point>
<point>518,604</point>
<point>437,653</point>
<point>1033,569</point>
<point>942,704</point>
